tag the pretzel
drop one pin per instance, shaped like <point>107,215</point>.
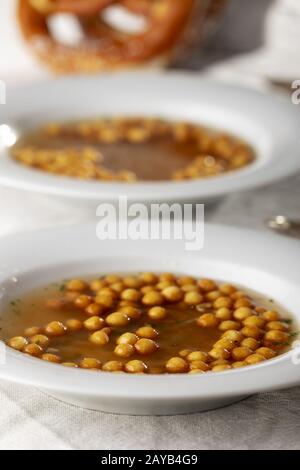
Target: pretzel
<point>77,7</point>
<point>104,47</point>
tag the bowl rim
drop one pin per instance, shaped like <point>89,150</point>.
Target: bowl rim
<point>276,373</point>
<point>172,94</point>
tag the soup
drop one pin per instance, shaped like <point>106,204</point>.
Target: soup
<point>132,149</point>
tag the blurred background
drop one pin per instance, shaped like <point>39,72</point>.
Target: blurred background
<point>252,43</point>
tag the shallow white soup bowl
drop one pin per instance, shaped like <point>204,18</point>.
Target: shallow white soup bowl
<point>269,124</point>
<point>262,262</point>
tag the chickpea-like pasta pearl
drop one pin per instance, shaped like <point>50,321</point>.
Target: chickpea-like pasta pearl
<point>41,340</point>
<point>76,285</point>
<point>97,284</point>
<point>99,337</point>
<point>229,325</point>
<point>33,349</point>
<point>185,352</point>
<point>146,332</point>
<point>55,328</point>
<point>218,362</point>
<point>117,319</point>
<point>267,353</point>
<point>145,346</point>
<point>161,286</point>
<point>133,282</point>
<point>240,353</point>
<point>118,287</point>
<point>90,363</point>
<point>254,359</point>
<point>242,302</point>
<point>260,310</point>
<point>94,310</point>
<point>106,301</point>
<point>83,301</point>
<point>270,315</point>
<point>193,298</point>
<point>207,285</point>
<point>167,277</point>
<point>233,335</point>
<point>224,313</point>
<point>113,366</point>
<point>254,321</point>
<point>131,294</point>
<point>223,302</point>
<point>189,288</point>
<point>207,320</point>
<point>197,356</point>
<point>277,325</point>
<point>127,338</point>
<point>51,358</point>
<point>94,323</point>
<point>124,350</point>
<point>242,313</point>
<point>135,367</point>
<point>196,371</point>
<point>198,364</point>
<point>252,332</point>
<point>149,278</point>
<point>238,364</point>
<point>73,324</point>
<point>172,294</point>
<point>225,344</point>
<point>227,289</point>
<point>32,330</point>
<point>177,365</point>
<point>186,280</point>
<point>18,343</point>
<point>250,343</point>
<point>112,278</point>
<point>153,299</point>
<point>219,353</point>
<point>212,296</point>
<point>146,289</point>
<point>107,292</point>
<point>131,312</point>
<point>157,313</point>
<point>277,336</point>
<point>221,368</point>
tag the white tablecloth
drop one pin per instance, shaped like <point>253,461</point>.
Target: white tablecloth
<point>32,420</point>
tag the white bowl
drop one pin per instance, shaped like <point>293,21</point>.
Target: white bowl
<point>269,124</point>
<point>263,262</point>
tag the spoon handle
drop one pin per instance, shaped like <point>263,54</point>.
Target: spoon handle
<point>285,226</point>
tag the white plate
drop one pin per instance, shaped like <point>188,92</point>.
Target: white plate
<point>262,262</point>
<point>268,123</point>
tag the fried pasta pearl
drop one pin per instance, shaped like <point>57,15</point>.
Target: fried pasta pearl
<point>177,365</point>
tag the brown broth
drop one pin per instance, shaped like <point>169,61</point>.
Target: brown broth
<point>150,161</point>
<point>163,155</point>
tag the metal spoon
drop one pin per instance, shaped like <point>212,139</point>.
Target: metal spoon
<point>285,226</point>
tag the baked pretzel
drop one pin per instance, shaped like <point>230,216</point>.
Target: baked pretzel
<point>104,47</point>
<point>77,7</point>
